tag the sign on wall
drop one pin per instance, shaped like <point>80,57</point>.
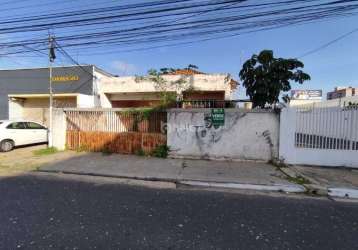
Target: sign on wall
<point>65,78</point>
<point>306,94</point>
<point>218,117</point>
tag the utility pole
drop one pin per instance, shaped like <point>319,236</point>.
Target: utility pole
<point>51,56</point>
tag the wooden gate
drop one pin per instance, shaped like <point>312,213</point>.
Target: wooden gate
<point>115,131</point>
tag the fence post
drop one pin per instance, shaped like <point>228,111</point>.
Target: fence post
<point>142,141</point>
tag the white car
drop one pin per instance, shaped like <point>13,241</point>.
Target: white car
<point>21,132</point>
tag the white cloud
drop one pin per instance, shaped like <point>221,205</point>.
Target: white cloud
<point>123,68</point>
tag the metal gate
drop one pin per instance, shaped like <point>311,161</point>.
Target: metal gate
<point>320,136</point>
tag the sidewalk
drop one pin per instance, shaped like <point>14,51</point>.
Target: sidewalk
<point>242,175</point>
<point>334,182</point>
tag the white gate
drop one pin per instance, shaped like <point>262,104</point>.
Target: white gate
<point>319,136</point>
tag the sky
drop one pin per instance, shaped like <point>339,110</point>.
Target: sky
<point>333,66</point>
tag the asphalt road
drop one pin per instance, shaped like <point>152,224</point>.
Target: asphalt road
<point>54,213</point>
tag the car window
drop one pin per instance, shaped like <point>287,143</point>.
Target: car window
<point>33,125</point>
<point>16,125</point>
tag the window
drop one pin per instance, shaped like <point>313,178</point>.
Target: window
<point>33,125</point>
<point>16,125</point>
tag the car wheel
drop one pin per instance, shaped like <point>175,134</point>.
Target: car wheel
<point>6,145</point>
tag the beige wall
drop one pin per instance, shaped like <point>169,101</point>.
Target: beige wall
<point>63,102</point>
<point>15,109</point>
<point>115,85</point>
<point>36,109</point>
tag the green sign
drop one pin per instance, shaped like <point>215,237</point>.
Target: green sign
<point>218,117</point>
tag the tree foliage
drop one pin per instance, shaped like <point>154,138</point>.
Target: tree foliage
<point>168,90</point>
<point>165,71</point>
<point>265,77</point>
<point>192,66</point>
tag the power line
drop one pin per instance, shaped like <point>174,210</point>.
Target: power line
<point>328,44</point>
<point>72,59</point>
<point>93,77</point>
<point>179,21</point>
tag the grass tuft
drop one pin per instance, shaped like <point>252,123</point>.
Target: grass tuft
<point>299,179</point>
<point>45,151</point>
<point>161,151</point>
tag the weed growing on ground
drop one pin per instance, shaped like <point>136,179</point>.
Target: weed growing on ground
<point>45,151</point>
<point>82,148</point>
<point>161,151</point>
<point>299,179</point>
<point>140,152</point>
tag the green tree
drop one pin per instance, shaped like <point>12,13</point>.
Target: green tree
<point>192,66</point>
<point>168,90</point>
<point>265,77</point>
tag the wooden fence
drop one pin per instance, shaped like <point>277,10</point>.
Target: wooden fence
<point>114,131</point>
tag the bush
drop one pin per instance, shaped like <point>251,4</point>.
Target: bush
<point>140,152</point>
<point>161,151</point>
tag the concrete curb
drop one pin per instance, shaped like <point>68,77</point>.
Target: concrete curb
<point>294,188</point>
<point>349,193</point>
<point>257,187</point>
<point>109,175</point>
<point>316,188</point>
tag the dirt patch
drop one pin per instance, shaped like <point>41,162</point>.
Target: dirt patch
<point>22,160</point>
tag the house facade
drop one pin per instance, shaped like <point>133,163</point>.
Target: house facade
<point>24,93</point>
<point>132,91</point>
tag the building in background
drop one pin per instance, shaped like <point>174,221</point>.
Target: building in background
<point>197,90</point>
<point>303,97</point>
<point>340,97</point>
<point>24,93</point>
<point>341,92</point>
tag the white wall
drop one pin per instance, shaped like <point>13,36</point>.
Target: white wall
<point>59,129</point>
<point>291,154</point>
<point>298,102</point>
<point>339,102</point>
<point>247,135</point>
<point>99,82</point>
<point>86,101</point>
